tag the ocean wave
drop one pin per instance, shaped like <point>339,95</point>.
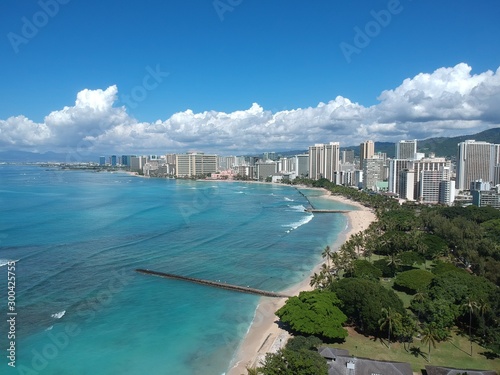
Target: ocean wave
<point>288,199</point>
<point>299,223</point>
<point>298,208</point>
<point>59,314</point>
<point>239,192</point>
<point>4,262</point>
<point>50,328</point>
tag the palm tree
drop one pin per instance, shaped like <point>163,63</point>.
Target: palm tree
<point>327,254</point>
<point>470,305</point>
<point>389,320</point>
<point>357,241</point>
<point>420,246</point>
<point>483,307</point>
<point>429,336</point>
<point>253,371</point>
<point>419,297</point>
<point>317,280</point>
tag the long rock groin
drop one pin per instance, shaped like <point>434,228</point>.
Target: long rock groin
<point>214,284</point>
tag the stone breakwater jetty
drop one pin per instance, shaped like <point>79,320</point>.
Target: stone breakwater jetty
<point>321,211</point>
<point>214,284</point>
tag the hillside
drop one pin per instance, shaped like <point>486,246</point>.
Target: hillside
<point>441,146</point>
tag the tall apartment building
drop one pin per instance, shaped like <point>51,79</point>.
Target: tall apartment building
<point>137,163</point>
<point>429,164</point>
<point>475,161</point>
<point>396,166</point>
<point>246,171</point>
<point>265,169</point>
<point>373,172</point>
<point>302,165</point>
<point>406,149</point>
<point>324,160</point>
<point>194,164</point>
<point>347,156</point>
<point>125,160</point>
<point>407,184</point>
<point>400,168</point>
<point>435,186</point>
<point>366,151</point>
<point>226,162</point>
<point>287,165</point>
<point>170,158</point>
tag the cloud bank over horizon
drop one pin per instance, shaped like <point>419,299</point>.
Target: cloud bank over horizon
<point>447,102</point>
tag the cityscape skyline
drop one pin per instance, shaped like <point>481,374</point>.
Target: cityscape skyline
<point>188,76</point>
<point>473,178</point>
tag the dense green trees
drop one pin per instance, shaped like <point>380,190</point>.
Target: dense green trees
<point>291,362</point>
<point>460,248</point>
<point>364,269</point>
<point>413,281</point>
<point>300,356</point>
<point>315,313</point>
<point>363,301</point>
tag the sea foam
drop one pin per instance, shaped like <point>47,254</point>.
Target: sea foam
<point>59,314</point>
<point>299,223</point>
<point>298,208</point>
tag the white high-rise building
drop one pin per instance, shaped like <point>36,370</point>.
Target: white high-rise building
<point>407,184</point>
<point>396,166</point>
<point>435,186</point>
<point>302,165</point>
<point>406,149</point>
<point>475,161</point>
<point>193,164</point>
<point>366,151</point>
<point>399,166</point>
<point>373,172</point>
<point>324,160</point>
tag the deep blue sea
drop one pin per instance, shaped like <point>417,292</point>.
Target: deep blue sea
<point>78,236</point>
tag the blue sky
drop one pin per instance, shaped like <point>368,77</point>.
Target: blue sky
<point>214,59</point>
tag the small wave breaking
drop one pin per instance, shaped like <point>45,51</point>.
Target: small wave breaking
<point>59,314</point>
<point>4,262</point>
<point>298,208</point>
<point>298,224</point>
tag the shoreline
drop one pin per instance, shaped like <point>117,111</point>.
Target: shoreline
<point>264,335</point>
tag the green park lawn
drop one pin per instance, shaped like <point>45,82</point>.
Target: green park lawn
<point>453,353</point>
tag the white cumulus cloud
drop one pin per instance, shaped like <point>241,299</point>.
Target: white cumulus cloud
<point>446,102</point>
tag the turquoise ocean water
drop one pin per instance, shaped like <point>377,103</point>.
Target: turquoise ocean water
<point>78,236</point>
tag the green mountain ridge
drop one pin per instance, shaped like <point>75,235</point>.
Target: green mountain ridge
<point>440,146</point>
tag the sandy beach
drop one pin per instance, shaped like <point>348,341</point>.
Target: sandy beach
<point>264,334</point>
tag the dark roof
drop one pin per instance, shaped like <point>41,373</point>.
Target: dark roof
<point>437,370</point>
<point>367,367</point>
<point>331,353</point>
<point>339,360</point>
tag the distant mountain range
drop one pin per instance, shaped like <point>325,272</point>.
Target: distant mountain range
<point>441,146</point>
<point>33,157</point>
